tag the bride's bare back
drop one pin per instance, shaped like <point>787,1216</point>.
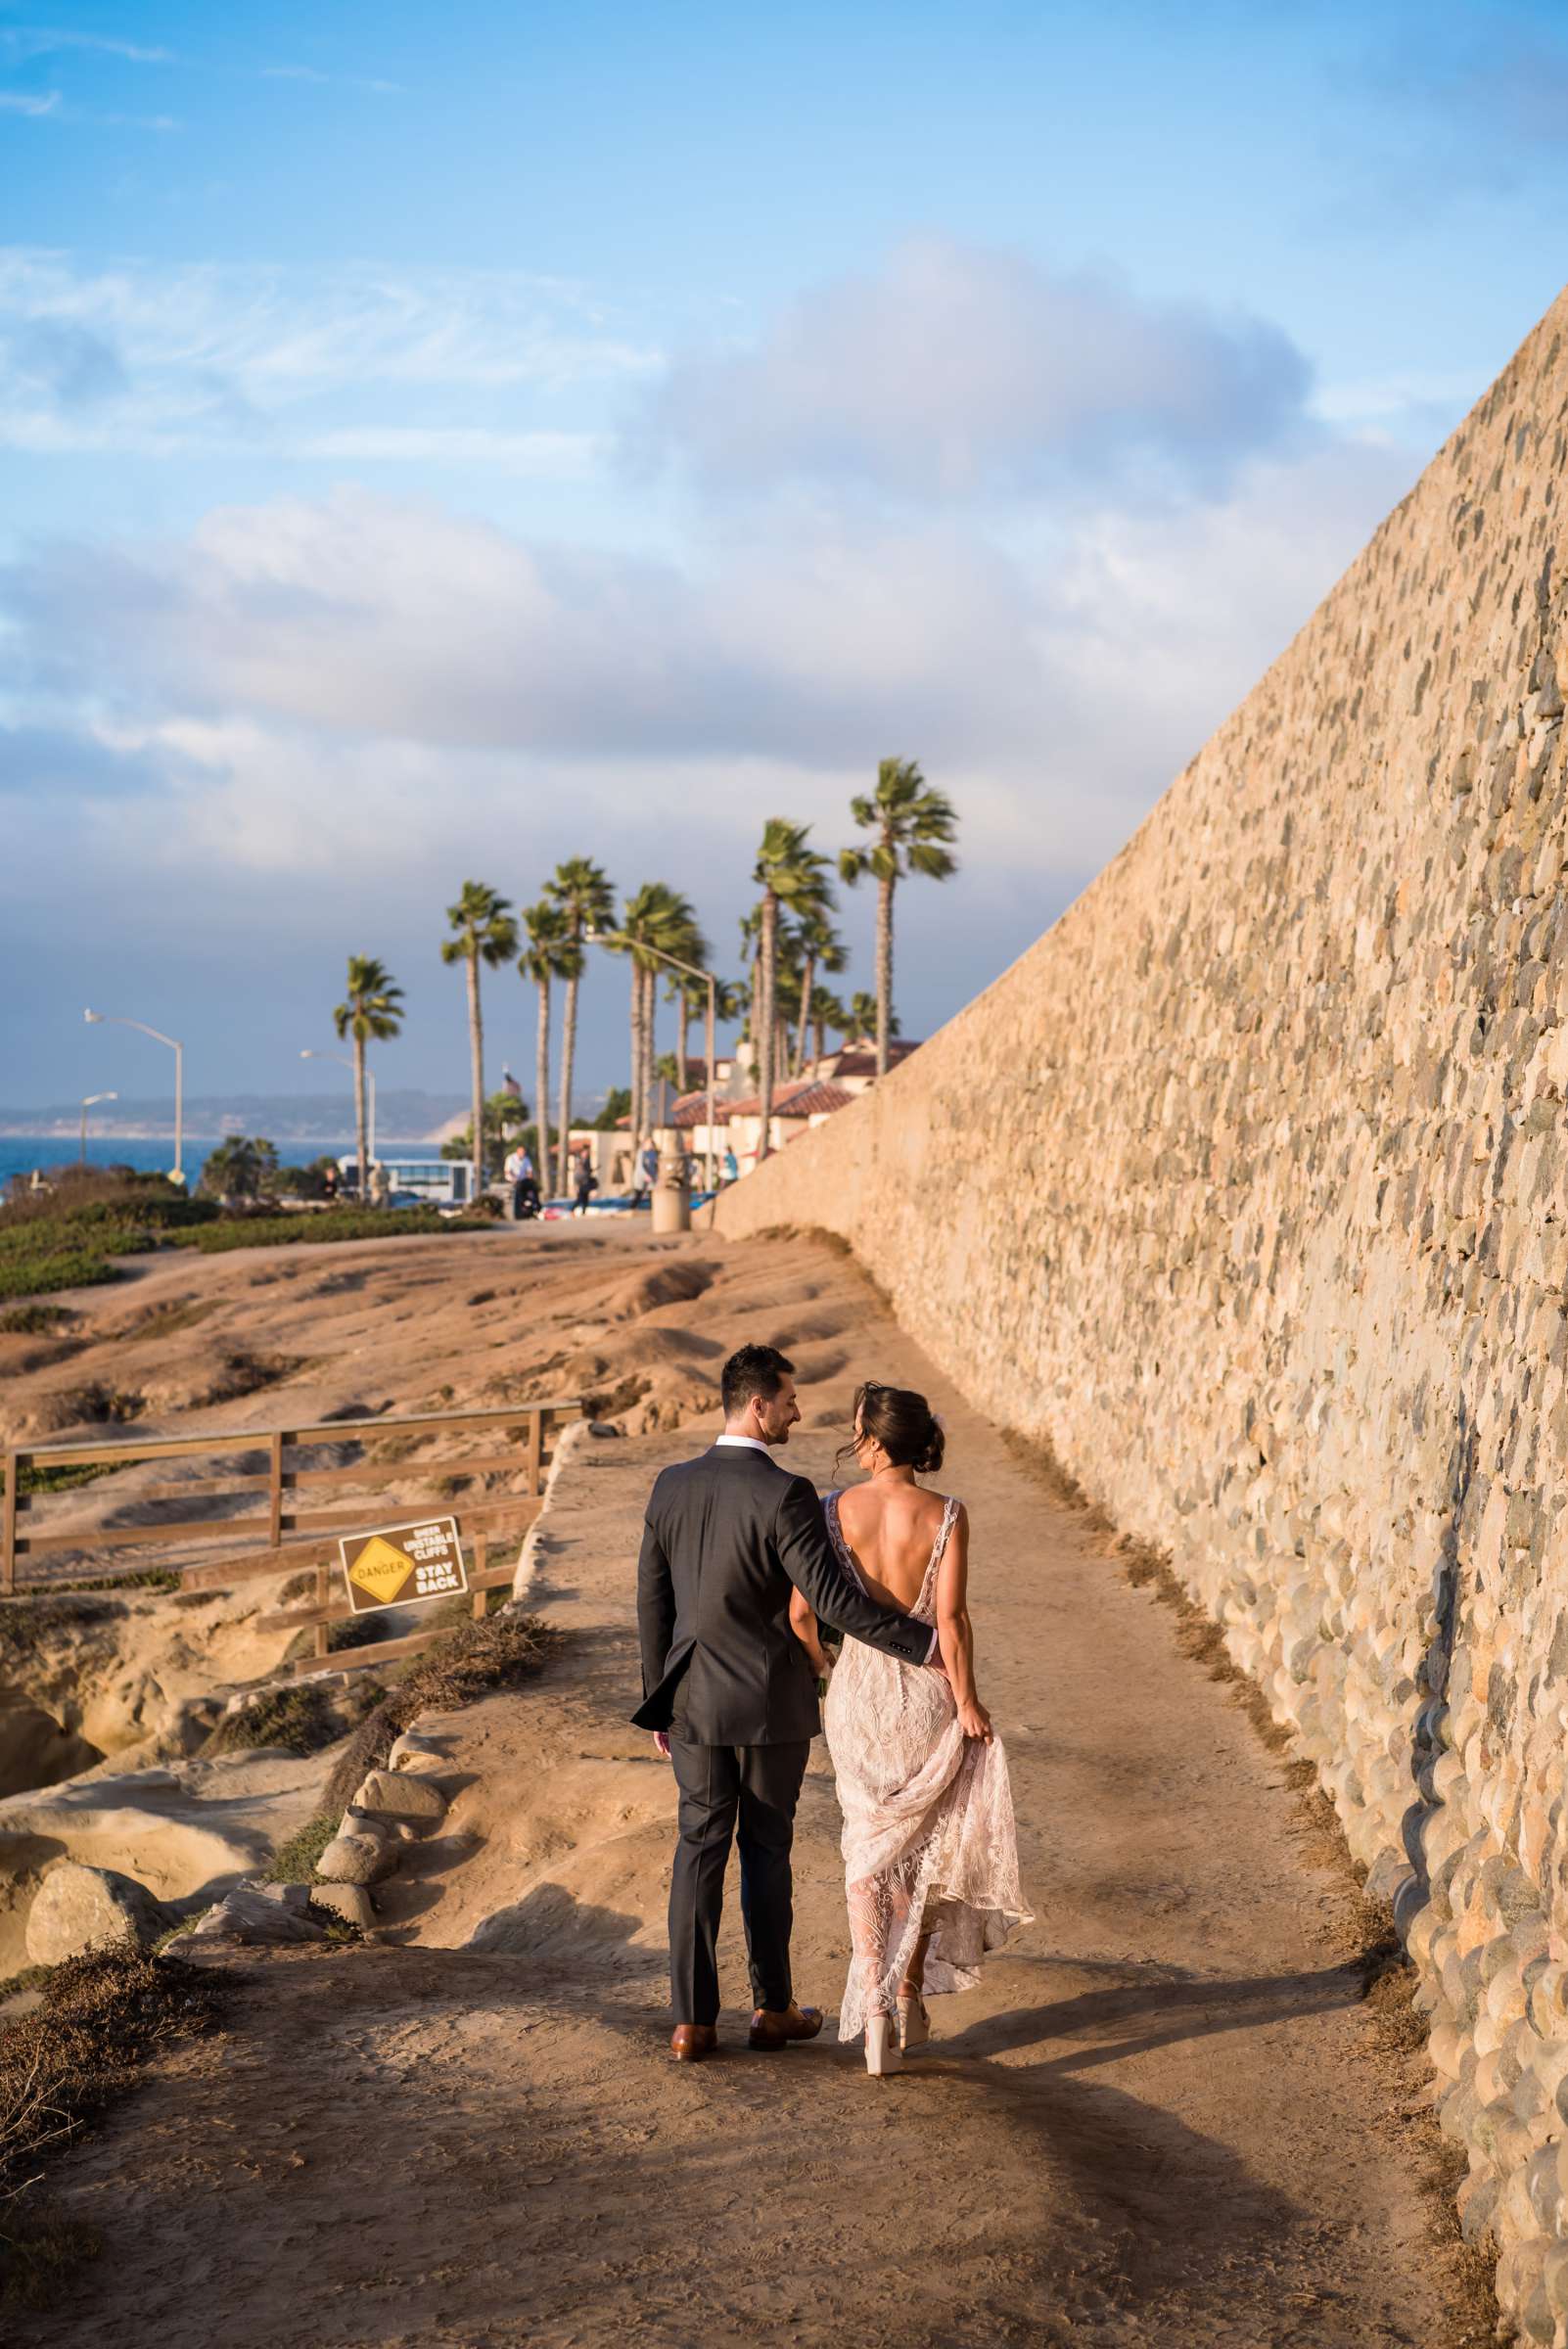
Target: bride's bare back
<point>891,1529</point>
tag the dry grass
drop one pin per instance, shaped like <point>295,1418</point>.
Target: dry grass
<point>103,2016</point>
<point>497,1653</point>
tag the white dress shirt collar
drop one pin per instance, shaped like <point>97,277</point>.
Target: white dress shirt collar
<point>742,1443</point>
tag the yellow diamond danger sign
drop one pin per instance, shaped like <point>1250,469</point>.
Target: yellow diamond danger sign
<point>381,1570</point>
<point>403,1565</point>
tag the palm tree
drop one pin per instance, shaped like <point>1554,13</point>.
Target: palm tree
<point>793,876</point>
<point>551,952</point>
<point>239,1167</point>
<point>685,989</point>
<point>485,932</point>
<point>372,1007</point>
<point>821,949</point>
<point>587,897</point>
<point>656,919</point>
<point>863,1018</point>
<point>912,824</point>
<point>826,1012</point>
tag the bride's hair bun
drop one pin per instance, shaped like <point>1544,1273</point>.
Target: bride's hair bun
<point>903,1423</point>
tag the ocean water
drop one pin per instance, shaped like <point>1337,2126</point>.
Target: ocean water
<point>21,1153</point>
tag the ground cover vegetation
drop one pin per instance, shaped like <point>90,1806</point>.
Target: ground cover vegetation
<point>70,1234</point>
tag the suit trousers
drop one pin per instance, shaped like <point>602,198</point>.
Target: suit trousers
<point>728,1793</point>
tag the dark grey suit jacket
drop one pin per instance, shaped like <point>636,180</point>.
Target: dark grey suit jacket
<point>727,1534</point>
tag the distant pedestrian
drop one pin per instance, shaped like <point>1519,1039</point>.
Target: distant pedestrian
<point>329,1182</point>
<point>731,1164</point>
<point>380,1186</point>
<point>649,1167</point>
<point>587,1182</point>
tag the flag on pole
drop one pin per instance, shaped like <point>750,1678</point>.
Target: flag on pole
<point>510,1085</point>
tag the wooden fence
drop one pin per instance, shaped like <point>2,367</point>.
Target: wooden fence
<point>289,1535</point>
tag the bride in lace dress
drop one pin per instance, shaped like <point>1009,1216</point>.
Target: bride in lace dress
<point>930,1851</point>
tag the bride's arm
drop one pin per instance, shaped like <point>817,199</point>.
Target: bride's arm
<point>802,1623</point>
<point>953,1629</point>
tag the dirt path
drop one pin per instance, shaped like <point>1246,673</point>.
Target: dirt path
<point>1163,2120</point>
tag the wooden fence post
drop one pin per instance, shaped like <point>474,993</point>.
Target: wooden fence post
<point>8,1535</point>
<point>323,1599</point>
<point>535,1449</point>
<point>275,1489</point>
<point>481,1553</point>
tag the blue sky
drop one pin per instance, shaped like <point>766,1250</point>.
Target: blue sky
<point>434,444</point>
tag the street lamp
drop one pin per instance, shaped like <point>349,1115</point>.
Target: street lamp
<point>343,1062</point>
<point>118,1019</point>
<point>88,1101</point>
<point>619,937</point>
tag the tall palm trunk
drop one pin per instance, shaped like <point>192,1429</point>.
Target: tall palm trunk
<point>475,1037</point>
<point>635,1104</point>
<point>754,1012</point>
<point>765,1025</point>
<point>807,982</point>
<point>683,1038</point>
<point>884,970</point>
<point>361,1122</point>
<point>820,1038</point>
<point>541,1081</point>
<point>650,1047</point>
<point>569,1048</point>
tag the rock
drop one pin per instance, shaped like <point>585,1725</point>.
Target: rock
<point>260,1913</point>
<point>77,1908</point>
<point>415,1750</point>
<point>358,1858</point>
<point>350,1902</point>
<point>397,1794</point>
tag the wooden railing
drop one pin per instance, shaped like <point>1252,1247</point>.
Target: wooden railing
<point>288,1535</point>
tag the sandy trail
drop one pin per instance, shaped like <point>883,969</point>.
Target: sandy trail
<point>1164,2119</point>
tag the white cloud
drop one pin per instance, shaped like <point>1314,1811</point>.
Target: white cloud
<point>32,103</point>
<point>958,370</point>
<point>21,42</point>
<point>215,357</point>
<point>1057,690</point>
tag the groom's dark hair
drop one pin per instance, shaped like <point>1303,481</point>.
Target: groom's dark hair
<point>751,1370</point>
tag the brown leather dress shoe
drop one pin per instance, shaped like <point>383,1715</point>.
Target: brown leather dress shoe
<point>689,2042</point>
<point>772,2030</point>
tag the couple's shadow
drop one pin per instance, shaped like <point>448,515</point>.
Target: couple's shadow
<point>1180,2204</point>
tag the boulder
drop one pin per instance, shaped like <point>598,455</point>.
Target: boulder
<point>259,1913</point>
<point>401,1794</point>
<point>77,1908</point>
<point>357,1858</point>
<point>415,1749</point>
<point>352,1902</point>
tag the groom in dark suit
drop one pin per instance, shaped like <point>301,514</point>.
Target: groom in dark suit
<point>729,1694</point>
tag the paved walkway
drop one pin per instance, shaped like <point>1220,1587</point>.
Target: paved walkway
<point>1163,2120</point>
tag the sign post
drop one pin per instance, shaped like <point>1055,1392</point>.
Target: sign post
<point>403,1565</point>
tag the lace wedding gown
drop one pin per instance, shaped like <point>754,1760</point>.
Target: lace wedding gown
<point>929,1843</point>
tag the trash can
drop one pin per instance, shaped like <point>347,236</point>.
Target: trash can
<point>671,1195</point>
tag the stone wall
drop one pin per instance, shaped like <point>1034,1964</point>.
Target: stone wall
<point>1247,1187</point>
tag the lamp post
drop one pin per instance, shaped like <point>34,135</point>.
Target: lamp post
<point>342,1060</point>
<point>616,937</point>
<point>88,1101</point>
<point>118,1019</point>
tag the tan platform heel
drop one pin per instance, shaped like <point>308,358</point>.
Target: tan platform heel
<point>914,2024</point>
<point>883,2054</point>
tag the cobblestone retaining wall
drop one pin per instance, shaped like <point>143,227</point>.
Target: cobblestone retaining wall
<point>1247,1187</point>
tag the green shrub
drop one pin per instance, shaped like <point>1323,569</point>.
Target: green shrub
<point>294,1861</point>
<point>313,1229</point>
